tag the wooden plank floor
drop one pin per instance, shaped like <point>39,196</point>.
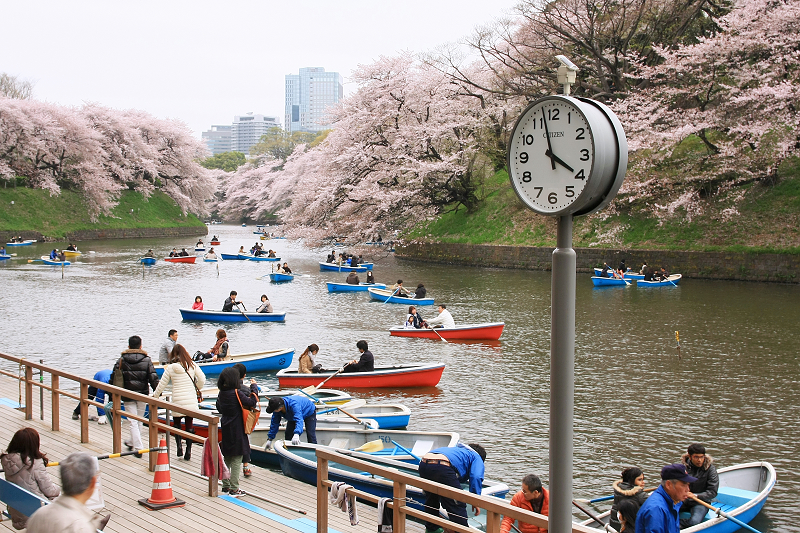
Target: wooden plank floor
<point>125,480</point>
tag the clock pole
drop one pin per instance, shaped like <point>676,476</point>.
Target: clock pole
<point>562,373</point>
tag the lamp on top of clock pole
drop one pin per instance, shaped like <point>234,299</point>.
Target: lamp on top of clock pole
<point>567,156</point>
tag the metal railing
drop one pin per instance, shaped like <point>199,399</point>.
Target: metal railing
<point>495,507</point>
<point>25,376</point>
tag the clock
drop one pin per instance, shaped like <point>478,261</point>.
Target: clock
<point>567,156</point>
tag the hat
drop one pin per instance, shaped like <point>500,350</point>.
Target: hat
<point>677,471</point>
<point>274,404</point>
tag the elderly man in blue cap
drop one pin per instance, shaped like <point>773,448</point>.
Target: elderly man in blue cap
<point>659,513</point>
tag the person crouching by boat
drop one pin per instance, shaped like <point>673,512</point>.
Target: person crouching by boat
<point>235,445</point>
<point>266,305</point>
<point>700,465</point>
<point>307,363</point>
<point>444,320</point>
<point>452,466</point>
<point>370,277</point>
<point>366,363</point>
<point>352,279</point>
<point>630,487</point>
<point>187,378</point>
<point>300,413</point>
<point>198,303</point>
<point>533,497</point>
<point>659,513</point>
<point>420,292</point>
<point>230,301</point>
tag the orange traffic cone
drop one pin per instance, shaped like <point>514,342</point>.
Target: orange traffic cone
<point>161,497</point>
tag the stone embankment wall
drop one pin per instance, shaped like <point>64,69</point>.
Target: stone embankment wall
<point>116,233</point>
<point>782,268</point>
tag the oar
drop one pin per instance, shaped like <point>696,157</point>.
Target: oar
<point>437,333</point>
<point>311,389</point>
<point>606,498</point>
<point>365,424</point>
<point>407,451</point>
<point>352,404</point>
<point>390,296</point>
<point>370,447</point>
<point>673,283</point>
<point>723,514</point>
<point>116,455</point>
<point>245,309</point>
<point>35,260</point>
<point>594,517</point>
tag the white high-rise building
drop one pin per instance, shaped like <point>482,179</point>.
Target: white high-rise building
<point>246,130</point>
<point>308,97</point>
<point>218,139</point>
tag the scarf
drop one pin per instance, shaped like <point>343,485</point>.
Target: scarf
<point>215,349</point>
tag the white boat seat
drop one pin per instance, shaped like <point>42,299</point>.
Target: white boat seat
<point>421,447</point>
<point>341,443</point>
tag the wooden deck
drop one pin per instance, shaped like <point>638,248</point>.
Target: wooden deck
<point>125,480</point>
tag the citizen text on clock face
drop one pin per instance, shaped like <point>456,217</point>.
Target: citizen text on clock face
<point>552,152</point>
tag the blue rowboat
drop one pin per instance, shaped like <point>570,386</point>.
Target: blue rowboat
<point>232,257</point>
<point>385,295</point>
<point>333,267</point>
<point>215,260</point>
<point>671,281</point>
<point>324,397</point>
<point>351,437</point>
<point>368,266</point>
<point>148,260</point>
<point>232,316</point>
<point>388,416</point>
<point>23,243</point>
<point>3,257</point>
<point>199,249</point>
<point>47,261</point>
<point>628,275</point>
<point>743,491</point>
<point>347,287</point>
<point>609,282</point>
<point>280,278</point>
<point>263,258</point>
<point>265,361</point>
<point>300,462</point>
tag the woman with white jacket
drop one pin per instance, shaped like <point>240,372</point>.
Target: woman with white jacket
<point>187,378</point>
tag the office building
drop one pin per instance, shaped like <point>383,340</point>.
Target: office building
<point>246,130</point>
<point>309,95</point>
<point>218,139</point>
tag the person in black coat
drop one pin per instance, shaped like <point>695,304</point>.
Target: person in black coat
<point>139,375</point>
<point>235,446</point>
<point>365,364</point>
<point>420,292</point>
<point>701,466</point>
<point>631,488</point>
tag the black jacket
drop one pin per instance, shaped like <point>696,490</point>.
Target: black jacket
<point>228,305</point>
<point>623,491</point>
<point>137,371</point>
<point>707,484</point>
<point>365,364</point>
<point>420,293</point>
<point>234,439</point>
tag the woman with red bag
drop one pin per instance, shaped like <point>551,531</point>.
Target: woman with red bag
<point>235,445</point>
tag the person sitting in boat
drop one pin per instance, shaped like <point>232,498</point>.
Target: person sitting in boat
<point>533,497</point>
<point>352,279</point>
<point>300,413</point>
<point>285,269</point>
<point>354,261</point>
<point>649,274</point>
<point>72,248</point>
<point>399,290</point>
<point>62,256</point>
<point>242,251</point>
<point>604,272</point>
<point>631,488</point>
<point>271,253</point>
<point>663,274</point>
<point>331,257</point>
<point>211,254</point>
<point>414,319</point>
<point>174,253</point>
<point>420,292</point>
<point>199,244</point>
<point>150,253</point>
<point>307,363</point>
<point>183,253</point>
<point>215,238</point>
<point>198,303</point>
<point>626,515</point>
<point>370,277</point>
<point>659,512</point>
<point>366,363</point>
<point>219,352</point>
<point>54,255</point>
<point>2,250</point>
<point>643,270</point>
<point>701,466</point>
<point>622,268</point>
<point>452,466</point>
<point>444,320</point>
<point>230,301</point>
<point>266,305</point>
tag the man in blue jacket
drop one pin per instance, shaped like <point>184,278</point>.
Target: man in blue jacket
<point>299,412</point>
<point>452,466</point>
<point>98,395</point>
<point>659,513</point>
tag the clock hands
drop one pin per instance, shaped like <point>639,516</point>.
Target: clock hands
<point>552,156</point>
<point>549,152</point>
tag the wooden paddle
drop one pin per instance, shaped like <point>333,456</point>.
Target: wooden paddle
<point>311,389</point>
<point>243,312</point>
<point>370,447</point>
<point>437,334</point>
<point>594,517</point>
<point>606,498</point>
<point>365,424</point>
<point>723,514</point>
<point>35,260</point>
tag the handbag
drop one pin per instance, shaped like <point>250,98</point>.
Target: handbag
<point>118,379</point>
<point>194,382</point>
<point>249,416</point>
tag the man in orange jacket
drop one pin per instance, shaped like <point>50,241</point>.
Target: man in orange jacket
<point>532,497</point>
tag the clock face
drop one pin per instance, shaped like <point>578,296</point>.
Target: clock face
<point>551,155</point>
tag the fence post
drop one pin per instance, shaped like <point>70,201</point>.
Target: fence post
<point>41,391</point>
<point>84,412</point>
<point>322,495</point>
<point>398,499</point>
<point>492,522</point>
<point>55,403</point>
<point>153,435</point>
<point>28,392</point>
<point>116,425</point>
<point>213,478</point>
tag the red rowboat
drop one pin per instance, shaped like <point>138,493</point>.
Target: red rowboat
<point>215,243</point>
<point>482,332</point>
<point>182,259</point>
<point>395,377</point>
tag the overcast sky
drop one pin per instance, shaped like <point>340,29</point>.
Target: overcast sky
<point>203,62</point>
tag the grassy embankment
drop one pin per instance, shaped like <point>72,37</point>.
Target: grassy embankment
<point>768,220</point>
<point>55,216</point>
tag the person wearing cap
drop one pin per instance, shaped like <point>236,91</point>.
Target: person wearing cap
<point>700,465</point>
<point>659,513</point>
<point>299,412</point>
<point>452,466</point>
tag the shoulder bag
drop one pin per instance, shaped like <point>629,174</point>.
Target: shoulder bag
<point>194,382</point>
<point>249,416</point>
<point>118,379</point>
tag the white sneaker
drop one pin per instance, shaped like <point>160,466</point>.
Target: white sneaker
<point>92,418</point>
<point>102,421</point>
